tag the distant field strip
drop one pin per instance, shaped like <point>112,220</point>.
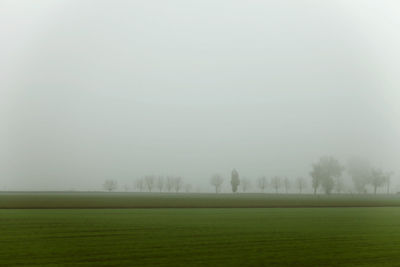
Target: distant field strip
<point>201,237</point>
<point>166,200</point>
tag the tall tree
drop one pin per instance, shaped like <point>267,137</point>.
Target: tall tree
<point>262,183</point>
<point>300,183</point>
<point>216,180</point>
<point>360,172</point>
<point>149,181</point>
<point>276,183</point>
<point>287,183</point>
<point>235,181</point>
<point>245,184</point>
<point>110,185</point>
<point>326,170</point>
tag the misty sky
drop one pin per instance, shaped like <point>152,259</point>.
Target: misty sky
<point>95,90</point>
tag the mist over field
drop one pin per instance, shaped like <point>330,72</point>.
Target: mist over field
<point>96,90</point>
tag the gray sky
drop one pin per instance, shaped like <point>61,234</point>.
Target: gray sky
<point>92,90</point>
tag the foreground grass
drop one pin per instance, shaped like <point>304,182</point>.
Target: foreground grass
<point>201,237</point>
<point>166,200</point>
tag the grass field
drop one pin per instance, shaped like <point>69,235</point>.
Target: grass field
<point>201,237</point>
<point>166,200</point>
<point>59,229</point>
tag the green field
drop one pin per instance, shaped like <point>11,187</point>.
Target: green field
<point>171,200</point>
<point>206,236</point>
<point>201,237</point>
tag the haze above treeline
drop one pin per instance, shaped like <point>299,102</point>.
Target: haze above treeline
<point>92,91</point>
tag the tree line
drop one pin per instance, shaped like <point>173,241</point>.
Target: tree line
<point>151,183</point>
<point>325,174</point>
<point>263,183</point>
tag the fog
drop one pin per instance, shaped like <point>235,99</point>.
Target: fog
<point>96,90</point>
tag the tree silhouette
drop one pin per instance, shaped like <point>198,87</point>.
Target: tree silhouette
<point>300,183</point>
<point>235,181</point>
<point>325,171</point>
<point>276,183</point>
<point>216,180</point>
<point>160,183</point>
<point>245,184</point>
<point>149,181</point>
<point>139,184</point>
<point>287,183</point>
<point>262,183</point>
<point>110,185</point>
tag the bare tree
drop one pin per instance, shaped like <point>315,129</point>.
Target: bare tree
<point>170,183</point>
<point>187,187</point>
<point>339,185</point>
<point>245,184</point>
<point>262,183</point>
<point>139,184</point>
<point>160,183</point>
<point>300,183</point>
<point>126,187</point>
<point>110,185</point>
<point>149,181</point>
<point>178,184</point>
<point>276,183</point>
<point>216,180</point>
<point>287,183</point>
